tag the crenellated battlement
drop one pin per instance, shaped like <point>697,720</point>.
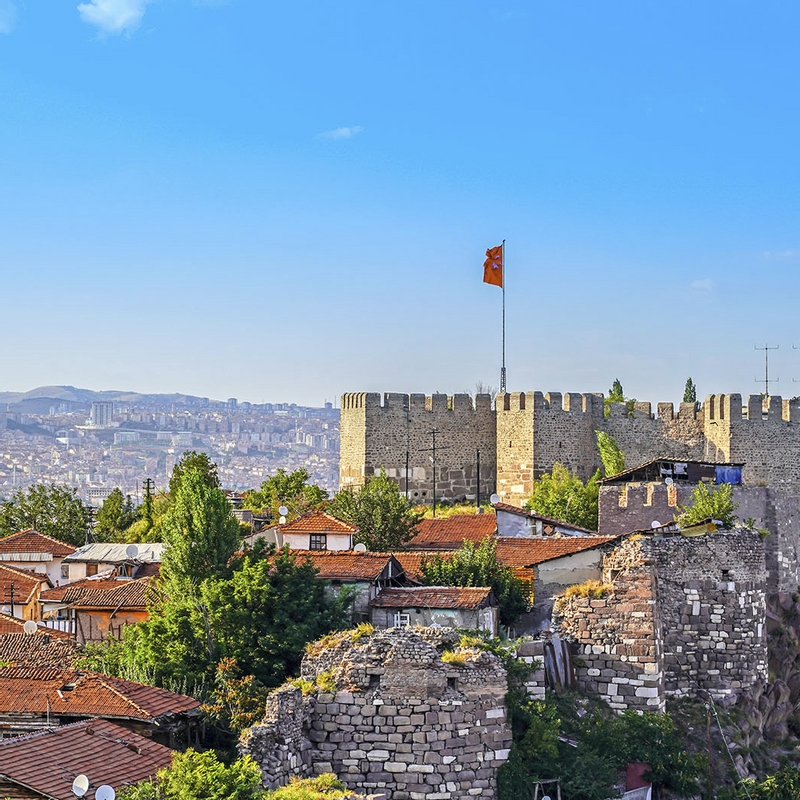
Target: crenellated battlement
<point>524,434</point>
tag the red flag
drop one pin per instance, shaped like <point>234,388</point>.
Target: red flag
<point>493,266</point>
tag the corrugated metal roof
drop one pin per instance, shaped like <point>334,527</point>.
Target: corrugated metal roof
<point>114,553</point>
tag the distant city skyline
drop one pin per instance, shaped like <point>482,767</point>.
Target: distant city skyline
<point>292,202</point>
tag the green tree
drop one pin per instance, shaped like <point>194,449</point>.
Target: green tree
<point>690,392</point>
<point>269,609</point>
<point>477,565</point>
<point>200,776</point>
<point>53,510</point>
<point>192,460</point>
<point>783,785</point>
<point>616,393</point>
<point>612,457</point>
<point>710,503</point>
<point>238,700</point>
<point>563,496</point>
<point>292,490</point>
<point>386,520</point>
<point>199,532</point>
<point>115,517</point>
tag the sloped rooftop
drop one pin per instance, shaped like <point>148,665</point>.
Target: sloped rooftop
<point>31,541</point>
<point>105,752</point>
<point>448,533</point>
<point>318,522</point>
<point>115,553</point>
<point>453,597</point>
<point>347,564</point>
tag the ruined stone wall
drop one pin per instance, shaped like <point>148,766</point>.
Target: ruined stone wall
<point>635,506</point>
<point>403,721</point>
<point>711,592</point>
<point>403,424</point>
<point>618,652</point>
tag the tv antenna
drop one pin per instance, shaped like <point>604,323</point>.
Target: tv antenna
<point>766,348</point>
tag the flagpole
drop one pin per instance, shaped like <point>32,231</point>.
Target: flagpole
<point>503,368</point>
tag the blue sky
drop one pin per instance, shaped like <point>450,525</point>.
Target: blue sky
<point>288,201</point>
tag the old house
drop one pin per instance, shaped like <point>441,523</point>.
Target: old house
<point>125,560</point>
<point>367,573</point>
<point>43,648</point>
<point>95,608</point>
<point>449,533</point>
<point>44,764</point>
<point>35,698</point>
<point>20,590</point>
<point>35,551</point>
<point>514,521</point>
<point>446,606</point>
<point>318,530</point>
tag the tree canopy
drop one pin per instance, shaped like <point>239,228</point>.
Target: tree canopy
<point>562,495</point>
<point>386,520</point>
<point>53,510</point>
<point>710,503</point>
<point>117,514</point>
<point>612,457</point>
<point>292,490</point>
<point>477,565</point>
<point>690,392</point>
<point>192,460</point>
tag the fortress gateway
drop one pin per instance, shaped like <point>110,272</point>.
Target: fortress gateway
<point>524,434</point>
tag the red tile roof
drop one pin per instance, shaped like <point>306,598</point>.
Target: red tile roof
<point>48,761</point>
<point>92,593</point>
<point>31,541</point>
<point>449,533</point>
<point>22,650</point>
<point>435,597</point>
<point>347,565</point>
<point>9,625</point>
<point>516,552</point>
<point>26,583</point>
<point>25,690</point>
<point>318,522</point>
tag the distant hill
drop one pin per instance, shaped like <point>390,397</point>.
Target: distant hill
<point>40,399</point>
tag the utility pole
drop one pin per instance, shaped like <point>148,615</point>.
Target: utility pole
<point>478,476</point>
<point>11,593</point>
<point>766,348</point>
<point>708,735</point>
<point>148,502</point>
<point>89,510</point>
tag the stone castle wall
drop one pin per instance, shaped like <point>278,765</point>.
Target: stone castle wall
<point>635,506</point>
<point>404,722</point>
<point>682,614</point>
<point>377,435</point>
<point>525,434</point>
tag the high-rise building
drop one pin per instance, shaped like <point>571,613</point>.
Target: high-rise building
<point>102,413</point>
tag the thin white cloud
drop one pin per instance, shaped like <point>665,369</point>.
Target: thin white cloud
<point>341,133</point>
<point>703,286</point>
<point>780,255</point>
<point>114,16</point>
<point>8,16</point>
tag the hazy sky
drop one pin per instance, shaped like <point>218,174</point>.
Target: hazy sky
<point>285,201</point>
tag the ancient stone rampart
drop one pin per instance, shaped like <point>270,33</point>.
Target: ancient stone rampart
<point>404,722</point>
<point>681,615</point>
<point>528,432</point>
<point>636,506</point>
<point>377,435</point>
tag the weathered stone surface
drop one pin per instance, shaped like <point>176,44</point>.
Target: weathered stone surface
<point>460,739</point>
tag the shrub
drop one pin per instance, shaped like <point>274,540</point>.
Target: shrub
<point>323,787</point>
<point>594,590</point>
<point>454,658</point>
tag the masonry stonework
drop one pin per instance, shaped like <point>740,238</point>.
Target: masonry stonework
<point>526,433</point>
<point>681,614</point>
<point>404,723</point>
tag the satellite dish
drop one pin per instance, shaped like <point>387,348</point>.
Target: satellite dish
<point>80,786</point>
<point>546,797</point>
<point>494,500</point>
<point>655,524</point>
<point>668,481</point>
<point>30,627</point>
<point>282,521</point>
<point>283,511</point>
<point>131,551</point>
<point>360,548</point>
<point>105,792</point>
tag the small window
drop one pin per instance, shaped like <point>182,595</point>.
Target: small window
<point>452,683</point>
<point>91,569</point>
<point>65,570</point>
<point>319,541</point>
<point>402,620</point>
<point>726,574</point>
